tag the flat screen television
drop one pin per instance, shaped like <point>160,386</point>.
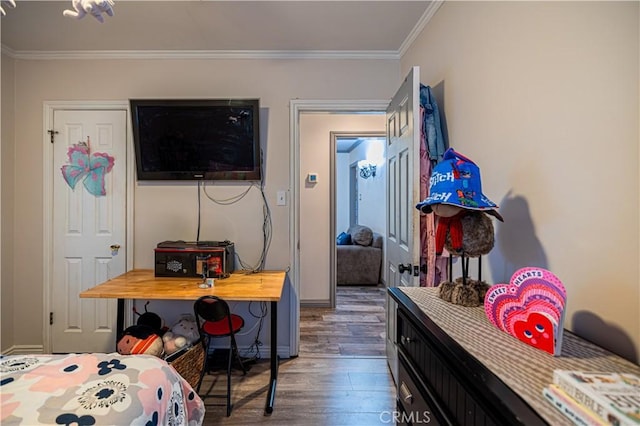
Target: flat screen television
<point>196,139</point>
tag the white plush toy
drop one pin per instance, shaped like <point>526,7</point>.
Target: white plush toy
<point>173,343</point>
<point>94,8</point>
<point>186,326</point>
<point>7,2</point>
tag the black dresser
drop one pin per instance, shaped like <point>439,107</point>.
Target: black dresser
<point>456,368</point>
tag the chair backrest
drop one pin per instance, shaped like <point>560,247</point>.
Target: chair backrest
<point>211,308</point>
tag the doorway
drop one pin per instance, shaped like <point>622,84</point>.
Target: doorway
<point>98,220</point>
<point>358,192</point>
<point>312,208</point>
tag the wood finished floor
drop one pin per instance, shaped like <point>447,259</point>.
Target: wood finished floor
<point>340,377</point>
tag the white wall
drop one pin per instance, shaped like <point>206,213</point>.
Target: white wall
<point>342,192</point>
<point>372,196</point>
<point>7,179</point>
<point>371,192</point>
<point>544,96</point>
<point>315,237</point>
<point>161,211</point>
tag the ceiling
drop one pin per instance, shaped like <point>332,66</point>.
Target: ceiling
<point>327,28</point>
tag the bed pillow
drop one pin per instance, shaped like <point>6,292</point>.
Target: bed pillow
<point>344,239</point>
<point>361,235</point>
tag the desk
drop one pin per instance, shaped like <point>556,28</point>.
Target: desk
<point>263,286</point>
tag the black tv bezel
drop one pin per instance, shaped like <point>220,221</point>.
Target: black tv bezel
<point>228,175</point>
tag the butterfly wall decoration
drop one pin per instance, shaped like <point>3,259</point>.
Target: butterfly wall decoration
<point>90,168</point>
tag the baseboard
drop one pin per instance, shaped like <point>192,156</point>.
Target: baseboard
<point>265,351</point>
<point>315,303</point>
<point>24,350</point>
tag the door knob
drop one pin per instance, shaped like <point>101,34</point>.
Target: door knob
<point>404,268</point>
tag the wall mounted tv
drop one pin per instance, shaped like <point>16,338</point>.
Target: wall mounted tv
<point>196,139</point>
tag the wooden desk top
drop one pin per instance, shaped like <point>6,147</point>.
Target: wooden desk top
<point>143,284</point>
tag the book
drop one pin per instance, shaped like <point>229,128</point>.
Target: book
<point>530,308</point>
<point>615,397</point>
<point>577,413</point>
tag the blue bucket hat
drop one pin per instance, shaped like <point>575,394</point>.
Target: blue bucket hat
<point>456,181</point>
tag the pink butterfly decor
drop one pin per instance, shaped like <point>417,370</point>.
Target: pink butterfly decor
<point>90,168</point>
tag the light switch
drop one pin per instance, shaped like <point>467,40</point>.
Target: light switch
<point>312,178</point>
<point>281,198</point>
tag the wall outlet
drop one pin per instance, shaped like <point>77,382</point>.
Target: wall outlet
<point>281,199</point>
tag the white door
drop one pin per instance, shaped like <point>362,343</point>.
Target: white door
<point>85,227</point>
<point>403,192</point>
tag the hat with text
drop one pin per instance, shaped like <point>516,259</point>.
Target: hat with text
<point>456,181</point>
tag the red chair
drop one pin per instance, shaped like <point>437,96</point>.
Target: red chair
<point>215,320</point>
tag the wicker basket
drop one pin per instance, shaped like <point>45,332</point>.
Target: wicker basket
<point>190,364</point>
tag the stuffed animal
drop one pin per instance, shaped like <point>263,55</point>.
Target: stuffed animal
<point>140,339</point>
<point>477,235</point>
<point>186,326</point>
<point>463,227</point>
<point>173,343</point>
<point>94,8</point>
<point>151,320</point>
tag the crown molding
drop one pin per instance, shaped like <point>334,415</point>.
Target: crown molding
<point>422,23</point>
<point>201,54</point>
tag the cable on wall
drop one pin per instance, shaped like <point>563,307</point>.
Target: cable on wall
<point>199,214</point>
<point>266,221</point>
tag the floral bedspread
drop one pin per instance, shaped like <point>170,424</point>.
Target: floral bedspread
<point>95,389</point>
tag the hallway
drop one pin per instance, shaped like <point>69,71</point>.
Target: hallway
<point>340,377</point>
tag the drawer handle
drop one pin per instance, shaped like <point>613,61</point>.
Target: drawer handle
<point>405,393</point>
<point>405,340</point>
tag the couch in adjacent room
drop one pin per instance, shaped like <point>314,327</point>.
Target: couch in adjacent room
<point>359,256</point>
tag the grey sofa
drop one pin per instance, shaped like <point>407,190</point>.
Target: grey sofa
<point>360,262</point>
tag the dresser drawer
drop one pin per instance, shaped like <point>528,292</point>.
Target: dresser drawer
<point>451,385</point>
<point>414,406</point>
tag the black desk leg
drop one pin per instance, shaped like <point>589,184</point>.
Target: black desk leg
<point>120,320</point>
<point>271,394</point>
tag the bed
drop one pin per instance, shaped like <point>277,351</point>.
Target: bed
<point>95,389</point>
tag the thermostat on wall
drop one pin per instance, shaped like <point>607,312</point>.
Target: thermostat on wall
<point>312,177</point>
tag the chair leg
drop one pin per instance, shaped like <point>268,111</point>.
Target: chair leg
<point>205,344</point>
<point>236,353</point>
<point>229,385</point>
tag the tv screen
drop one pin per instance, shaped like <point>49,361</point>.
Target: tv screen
<point>212,139</point>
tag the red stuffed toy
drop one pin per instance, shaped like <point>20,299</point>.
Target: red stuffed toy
<point>140,339</point>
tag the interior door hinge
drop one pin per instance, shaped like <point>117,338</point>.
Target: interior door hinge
<point>50,318</point>
<point>51,133</point>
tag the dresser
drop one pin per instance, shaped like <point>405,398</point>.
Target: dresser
<point>455,367</point>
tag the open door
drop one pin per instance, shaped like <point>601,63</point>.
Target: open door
<point>403,192</point>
